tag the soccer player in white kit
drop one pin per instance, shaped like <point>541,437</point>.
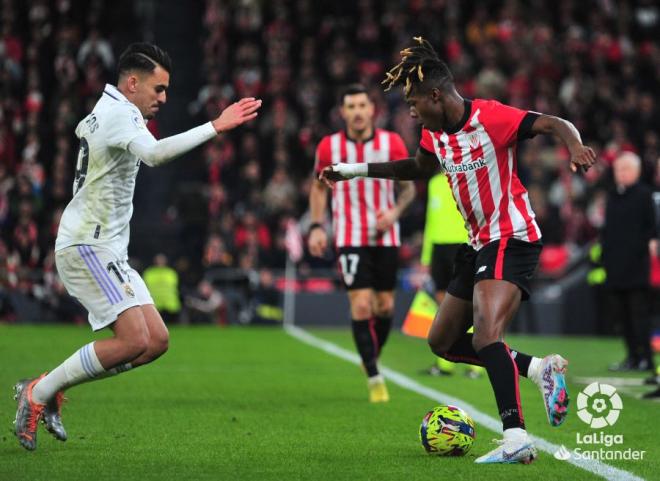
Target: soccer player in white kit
<point>91,249</point>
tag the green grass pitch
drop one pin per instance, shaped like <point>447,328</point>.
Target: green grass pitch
<point>256,404</point>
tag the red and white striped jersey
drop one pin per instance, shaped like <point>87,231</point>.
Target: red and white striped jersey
<point>479,159</point>
<point>357,202</point>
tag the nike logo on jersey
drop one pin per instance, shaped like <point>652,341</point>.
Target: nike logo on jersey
<point>482,269</point>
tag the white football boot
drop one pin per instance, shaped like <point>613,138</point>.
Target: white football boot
<point>516,447</point>
<point>549,376</point>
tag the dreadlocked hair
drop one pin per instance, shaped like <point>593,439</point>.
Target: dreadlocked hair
<point>417,62</point>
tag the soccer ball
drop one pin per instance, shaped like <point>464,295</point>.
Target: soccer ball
<point>447,431</point>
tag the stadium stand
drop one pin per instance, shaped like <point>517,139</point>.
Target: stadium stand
<point>598,67</point>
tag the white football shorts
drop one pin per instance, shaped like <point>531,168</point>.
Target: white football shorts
<point>104,285</point>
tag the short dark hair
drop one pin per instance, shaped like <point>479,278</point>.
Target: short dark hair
<point>352,89</point>
<point>143,57</point>
<point>420,66</point>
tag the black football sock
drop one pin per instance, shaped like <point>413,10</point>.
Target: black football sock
<point>522,361</point>
<point>383,326</point>
<point>503,374</point>
<point>364,335</point>
<point>463,351</point>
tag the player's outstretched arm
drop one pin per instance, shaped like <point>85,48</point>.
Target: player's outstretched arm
<point>423,166</point>
<point>581,156</point>
<point>156,152</point>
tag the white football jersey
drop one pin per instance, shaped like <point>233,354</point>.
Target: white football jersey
<point>102,205</point>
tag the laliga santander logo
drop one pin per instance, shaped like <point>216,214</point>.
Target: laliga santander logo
<point>599,405</point>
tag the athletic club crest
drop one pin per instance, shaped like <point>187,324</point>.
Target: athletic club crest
<point>474,140</point>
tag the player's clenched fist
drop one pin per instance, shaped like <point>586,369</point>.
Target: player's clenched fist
<point>335,173</point>
<point>582,157</point>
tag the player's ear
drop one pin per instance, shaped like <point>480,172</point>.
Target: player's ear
<point>436,94</point>
<point>342,111</point>
<point>131,82</point>
<point>371,107</point>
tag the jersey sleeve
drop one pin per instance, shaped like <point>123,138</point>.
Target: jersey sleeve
<point>323,157</point>
<point>398,149</point>
<point>426,142</point>
<point>503,122</point>
<point>125,124</point>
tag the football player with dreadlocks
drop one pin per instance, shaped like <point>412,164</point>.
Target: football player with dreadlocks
<point>474,142</point>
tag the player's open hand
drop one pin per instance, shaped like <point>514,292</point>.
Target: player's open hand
<point>237,114</point>
<point>582,157</point>
<point>317,242</point>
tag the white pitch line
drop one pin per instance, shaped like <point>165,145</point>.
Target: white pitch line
<point>593,466</point>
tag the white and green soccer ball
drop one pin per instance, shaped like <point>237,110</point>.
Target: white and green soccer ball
<point>447,431</point>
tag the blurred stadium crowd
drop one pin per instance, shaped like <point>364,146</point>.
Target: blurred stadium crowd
<point>596,63</point>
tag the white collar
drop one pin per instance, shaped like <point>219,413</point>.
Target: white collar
<point>114,92</point>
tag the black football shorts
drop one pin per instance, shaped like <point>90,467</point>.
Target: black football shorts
<point>509,259</point>
<point>368,267</point>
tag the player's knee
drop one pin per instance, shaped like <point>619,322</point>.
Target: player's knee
<point>384,308</point>
<point>361,310</point>
<point>160,344</point>
<point>483,338</point>
<point>136,346</point>
<point>439,347</point>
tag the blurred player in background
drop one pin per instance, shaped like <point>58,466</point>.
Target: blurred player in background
<point>474,142</point>
<point>91,249</point>
<point>365,226</point>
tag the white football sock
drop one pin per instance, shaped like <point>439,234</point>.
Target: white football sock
<point>534,366</point>
<point>82,366</point>
<point>514,433</point>
<point>377,379</point>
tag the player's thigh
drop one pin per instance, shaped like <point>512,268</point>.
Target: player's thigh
<point>158,332</point>
<point>453,319</point>
<point>131,326</point>
<point>495,304</point>
<point>88,273</point>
